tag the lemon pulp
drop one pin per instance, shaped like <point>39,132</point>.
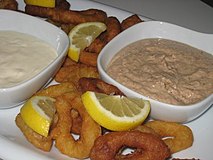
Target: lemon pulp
<point>115,112</point>
<point>38,113</point>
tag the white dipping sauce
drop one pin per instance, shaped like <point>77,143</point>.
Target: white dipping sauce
<point>22,56</point>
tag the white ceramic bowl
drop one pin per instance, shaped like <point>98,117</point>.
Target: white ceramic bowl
<point>15,21</point>
<point>156,29</point>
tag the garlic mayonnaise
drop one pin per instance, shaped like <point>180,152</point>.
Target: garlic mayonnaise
<point>22,56</point>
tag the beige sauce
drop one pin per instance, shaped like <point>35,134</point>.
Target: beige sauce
<point>165,70</point>
<point>21,57</point>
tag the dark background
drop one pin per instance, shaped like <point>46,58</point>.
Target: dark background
<point>209,2</point>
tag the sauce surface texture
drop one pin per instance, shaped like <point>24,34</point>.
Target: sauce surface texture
<point>164,70</point>
<point>22,57</point>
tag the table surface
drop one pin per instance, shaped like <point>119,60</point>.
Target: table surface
<point>193,14</point>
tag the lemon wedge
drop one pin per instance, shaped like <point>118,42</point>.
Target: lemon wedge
<point>82,35</point>
<point>114,112</point>
<point>38,113</point>
<point>42,3</point>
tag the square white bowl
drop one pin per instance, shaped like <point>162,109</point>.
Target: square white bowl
<point>156,29</point>
<point>20,22</point>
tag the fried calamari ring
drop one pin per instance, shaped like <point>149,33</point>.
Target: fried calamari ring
<point>43,12</point>
<point>97,45</point>
<point>113,28</point>
<point>76,17</point>
<point>130,21</point>
<point>39,141</point>
<point>69,96</point>
<point>46,12</point>
<point>97,85</point>
<point>64,141</point>
<point>146,146</point>
<point>9,4</point>
<point>77,122</point>
<point>178,137</point>
<point>57,90</point>
<point>68,26</point>
<point>146,129</point>
<point>88,58</point>
<point>92,11</point>
<point>73,73</point>
<point>89,55</point>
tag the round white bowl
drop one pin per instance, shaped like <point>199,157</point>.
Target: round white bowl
<point>156,29</point>
<point>20,22</point>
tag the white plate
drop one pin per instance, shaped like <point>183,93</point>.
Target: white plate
<point>14,146</point>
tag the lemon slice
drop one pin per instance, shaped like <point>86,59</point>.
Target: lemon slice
<point>42,3</point>
<point>82,35</point>
<point>38,113</point>
<point>116,113</point>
